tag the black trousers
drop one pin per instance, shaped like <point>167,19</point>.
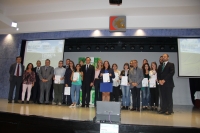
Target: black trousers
<point>16,82</point>
<point>36,92</point>
<point>167,101</point>
<point>135,97</point>
<point>160,96</point>
<point>154,96</point>
<point>98,94</point>
<point>114,96</point>
<point>86,88</point>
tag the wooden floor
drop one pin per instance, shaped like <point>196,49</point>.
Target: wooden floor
<point>184,116</point>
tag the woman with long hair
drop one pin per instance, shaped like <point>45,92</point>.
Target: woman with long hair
<point>116,83</point>
<point>154,92</point>
<point>98,94</point>
<point>106,69</point>
<point>76,84</point>
<point>125,88</point>
<point>28,82</point>
<point>145,90</point>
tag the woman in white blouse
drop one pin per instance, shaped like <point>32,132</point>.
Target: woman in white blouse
<point>154,89</point>
<point>116,84</point>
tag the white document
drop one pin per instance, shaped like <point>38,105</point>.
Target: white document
<point>152,82</point>
<point>57,79</point>
<point>67,91</point>
<point>145,82</point>
<point>76,76</point>
<point>109,128</point>
<point>124,80</point>
<point>106,77</point>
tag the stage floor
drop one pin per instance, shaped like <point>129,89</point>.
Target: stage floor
<point>184,116</point>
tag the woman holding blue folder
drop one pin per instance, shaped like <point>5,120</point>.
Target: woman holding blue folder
<point>106,74</point>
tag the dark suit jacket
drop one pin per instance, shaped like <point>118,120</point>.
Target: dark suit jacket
<point>167,74</point>
<point>110,71</point>
<point>36,75</point>
<point>12,70</point>
<point>88,76</point>
<point>68,74</point>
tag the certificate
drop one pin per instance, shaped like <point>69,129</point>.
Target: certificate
<point>145,82</point>
<point>57,79</point>
<point>152,82</point>
<point>124,80</point>
<point>76,76</point>
<point>67,91</point>
<point>106,77</point>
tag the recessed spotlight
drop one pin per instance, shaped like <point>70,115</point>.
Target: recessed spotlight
<point>162,47</point>
<point>88,48</point>
<point>132,47</point>
<point>106,47</point>
<point>141,47</point>
<point>112,47</point>
<point>78,47</point>
<point>172,47</point>
<point>151,47</point>
<point>123,47</point>
<point>97,47</point>
<point>17,29</point>
<point>70,47</point>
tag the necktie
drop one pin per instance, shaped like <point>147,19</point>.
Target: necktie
<point>163,66</point>
<point>86,67</point>
<point>38,69</point>
<point>18,70</point>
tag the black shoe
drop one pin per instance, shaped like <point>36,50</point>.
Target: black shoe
<point>133,109</point>
<point>9,101</point>
<point>168,113</point>
<point>87,106</point>
<point>137,109</point>
<point>22,102</point>
<point>123,108</point>
<point>16,102</point>
<point>126,107</point>
<point>27,102</point>
<point>161,112</point>
<point>83,106</point>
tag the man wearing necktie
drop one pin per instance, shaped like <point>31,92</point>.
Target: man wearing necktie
<point>36,87</point>
<point>165,78</point>
<point>16,71</point>
<point>88,78</point>
<point>46,75</point>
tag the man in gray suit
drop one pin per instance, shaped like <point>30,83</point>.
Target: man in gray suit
<point>16,72</point>
<point>45,74</point>
<point>135,79</point>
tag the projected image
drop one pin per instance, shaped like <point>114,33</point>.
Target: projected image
<point>189,57</point>
<point>42,50</point>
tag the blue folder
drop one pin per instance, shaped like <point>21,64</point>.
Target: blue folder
<point>106,87</point>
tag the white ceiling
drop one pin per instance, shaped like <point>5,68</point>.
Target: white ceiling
<point>62,15</point>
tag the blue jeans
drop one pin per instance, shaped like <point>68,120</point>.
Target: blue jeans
<point>125,95</point>
<point>145,96</point>
<point>75,89</point>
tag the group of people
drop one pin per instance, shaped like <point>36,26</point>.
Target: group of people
<point>38,81</point>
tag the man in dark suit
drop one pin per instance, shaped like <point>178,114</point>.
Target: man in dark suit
<point>165,77</point>
<point>69,101</point>
<point>36,87</point>
<point>16,72</point>
<point>46,75</point>
<point>88,78</point>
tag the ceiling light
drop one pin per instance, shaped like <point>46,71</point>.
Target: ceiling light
<point>132,47</point>
<point>172,47</point>
<point>162,47</point>
<point>141,47</point>
<point>17,29</point>
<point>14,24</point>
<point>97,47</point>
<point>70,47</point>
<point>123,47</point>
<point>151,47</point>
<point>106,47</point>
<point>112,47</point>
<point>78,48</point>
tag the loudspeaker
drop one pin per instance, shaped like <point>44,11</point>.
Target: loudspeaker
<point>115,2</point>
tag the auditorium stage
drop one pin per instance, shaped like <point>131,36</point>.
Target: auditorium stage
<point>184,116</point>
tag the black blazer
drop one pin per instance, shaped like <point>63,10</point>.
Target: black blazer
<point>12,70</point>
<point>68,74</point>
<point>88,76</point>
<point>36,75</point>
<point>167,74</point>
<point>110,71</point>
